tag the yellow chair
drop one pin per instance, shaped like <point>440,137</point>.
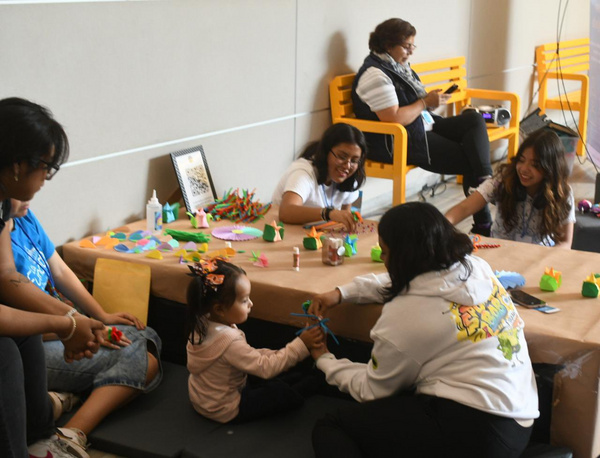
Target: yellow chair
<point>565,60</point>
<point>342,110</point>
<point>121,286</point>
<point>439,74</point>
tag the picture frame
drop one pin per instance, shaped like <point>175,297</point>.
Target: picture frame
<point>194,178</point>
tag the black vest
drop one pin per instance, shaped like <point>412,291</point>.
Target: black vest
<point>381,147</point>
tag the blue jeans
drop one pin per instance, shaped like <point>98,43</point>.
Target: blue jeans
<point>126,366</point>
<point>25,408</point>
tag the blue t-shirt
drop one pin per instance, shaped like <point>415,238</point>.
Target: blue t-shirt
<point>31,249</point>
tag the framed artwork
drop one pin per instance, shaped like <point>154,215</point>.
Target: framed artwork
<point>194,178</point>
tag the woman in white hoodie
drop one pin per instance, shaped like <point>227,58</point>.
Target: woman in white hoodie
<point>449,373</point>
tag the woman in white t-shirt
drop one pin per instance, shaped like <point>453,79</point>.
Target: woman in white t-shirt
<point>535,203</point>
<point>323,183</point>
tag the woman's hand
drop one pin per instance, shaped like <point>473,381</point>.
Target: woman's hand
<point>322,302</point>
<point>123,341</point>
<point>86,339</point>
<point>345,217</point>
<point>122,318</point>
<point>319,351</point>
<point>436,98</point>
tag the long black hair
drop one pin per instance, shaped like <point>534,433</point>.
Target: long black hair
<point>317,153</point>
<point>553,197</point>
<point>420,239</point>
<point>28,133</point>
<point>201,297</point>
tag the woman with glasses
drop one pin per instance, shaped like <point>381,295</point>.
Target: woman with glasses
<point>32,147</point>
<point>323,183</point>
<point>387,89</point>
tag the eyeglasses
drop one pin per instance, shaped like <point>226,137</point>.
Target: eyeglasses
<point>354,162</point>
<point>50,168</point>
<point>409,46</point>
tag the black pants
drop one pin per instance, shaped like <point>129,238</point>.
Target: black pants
<point>416,426</point>
<point>25,409</point>
<point>459,145</point>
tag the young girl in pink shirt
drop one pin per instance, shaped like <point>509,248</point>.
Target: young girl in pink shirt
<point>219,358</point>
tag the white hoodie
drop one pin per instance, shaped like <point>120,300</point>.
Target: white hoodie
<point>447,337</point>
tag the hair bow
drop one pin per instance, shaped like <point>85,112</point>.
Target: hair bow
<point>205,268</point>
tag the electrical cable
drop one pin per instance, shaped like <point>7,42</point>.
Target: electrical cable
<point>561,82</point>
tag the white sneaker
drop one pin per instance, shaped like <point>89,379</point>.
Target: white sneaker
<point>55,447</point>
<point>76,439</point>
<point>62,402</point>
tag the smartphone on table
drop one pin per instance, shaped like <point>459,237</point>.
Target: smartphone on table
<point>531,302</point>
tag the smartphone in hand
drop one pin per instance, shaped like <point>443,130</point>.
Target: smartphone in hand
<point>451,89</point>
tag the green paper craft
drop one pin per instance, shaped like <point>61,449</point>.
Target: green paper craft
<point>548,283</point>
<point>551,280</point>
<point>198,237</point>
<point>311,243</point>
<point>273,232</point>
<point>376,254</point>
<point>591,286</point>
<point>170,212</point>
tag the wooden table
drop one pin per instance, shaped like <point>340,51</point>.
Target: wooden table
<point>570,337</point>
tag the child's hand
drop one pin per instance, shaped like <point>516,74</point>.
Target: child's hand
<point>313,337</point>
<point>322,302</point>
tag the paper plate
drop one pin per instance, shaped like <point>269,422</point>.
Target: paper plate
<point>236,233</point>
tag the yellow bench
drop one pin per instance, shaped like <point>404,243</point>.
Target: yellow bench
<point>565,60</point>
<point>439,74</point>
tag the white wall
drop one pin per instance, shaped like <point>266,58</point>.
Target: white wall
<point>247,79</point>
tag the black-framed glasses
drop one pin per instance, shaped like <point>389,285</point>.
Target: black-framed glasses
<point>50,168</point>
<point>354,162</point>
<point>409,46</point>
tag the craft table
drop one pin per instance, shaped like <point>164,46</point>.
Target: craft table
<point>570,337</point>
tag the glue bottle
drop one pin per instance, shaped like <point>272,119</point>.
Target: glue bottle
<point>296,259</point>
<point>153,214</point>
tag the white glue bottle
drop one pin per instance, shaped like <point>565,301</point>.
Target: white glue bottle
<point>153,214</point>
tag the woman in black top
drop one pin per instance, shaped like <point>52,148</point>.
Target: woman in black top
<point>387,89</point>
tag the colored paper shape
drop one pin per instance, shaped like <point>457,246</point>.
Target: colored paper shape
<point>85,243</point>
<point>165,247</point>
<point>510,279</point>
<point>350,244</point>
<point>122,248</point>
<point>137,235</point>
<point>154,254</point>
<point>190,246</point>
<point>170,212</point>
<point>119,236</point>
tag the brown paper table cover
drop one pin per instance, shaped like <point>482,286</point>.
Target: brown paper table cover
<point>570,337</point>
